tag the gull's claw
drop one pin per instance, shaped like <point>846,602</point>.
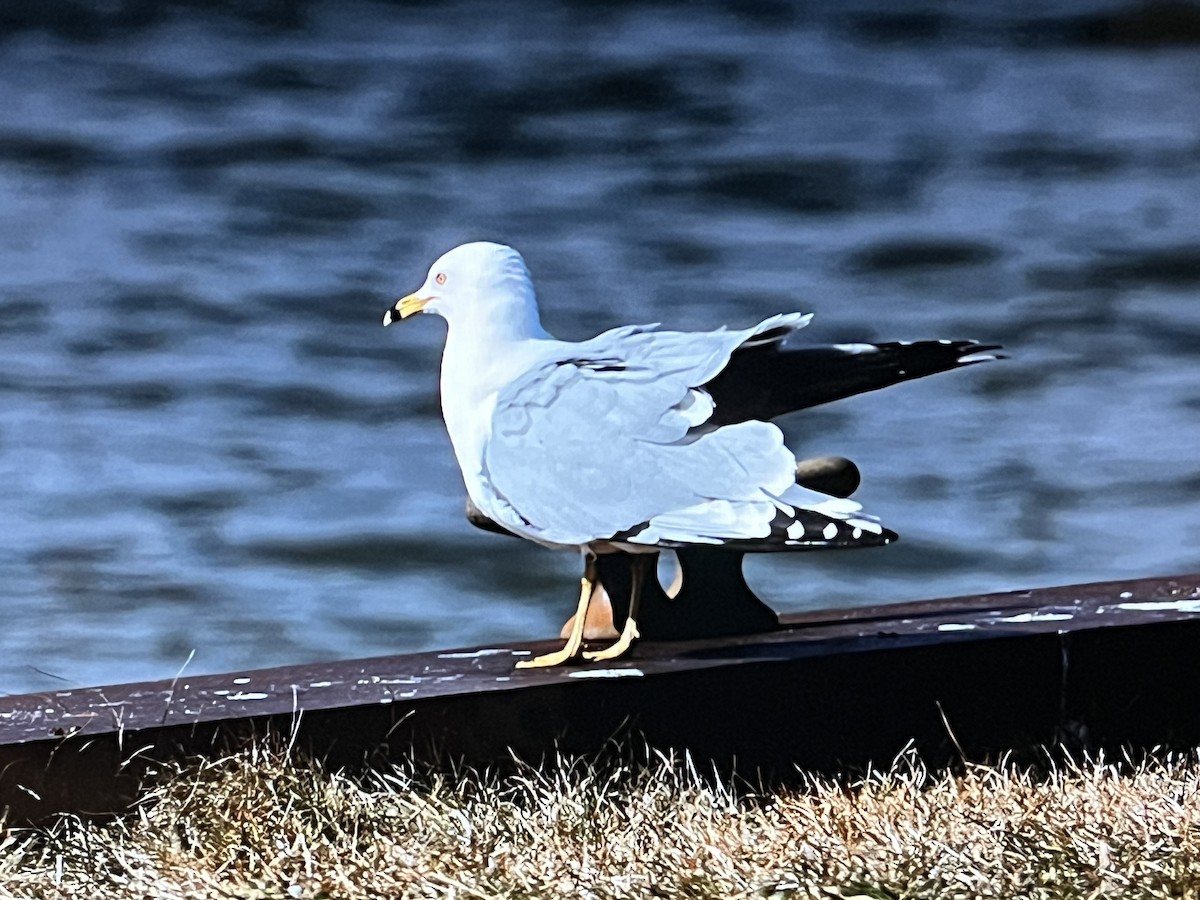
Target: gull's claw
<point>629,634</point>
<point>643,566</point>
<point>575,639</point>
<point>557,658</point>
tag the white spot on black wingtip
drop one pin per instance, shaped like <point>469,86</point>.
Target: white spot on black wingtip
<point>795,531</point>
<point>830,531</point>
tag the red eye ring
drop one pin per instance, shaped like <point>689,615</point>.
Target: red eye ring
<point>440,278</point>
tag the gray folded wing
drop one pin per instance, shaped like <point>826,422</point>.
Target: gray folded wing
<point>609,435</point>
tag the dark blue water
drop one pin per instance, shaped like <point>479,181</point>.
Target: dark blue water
<point>209,444</point>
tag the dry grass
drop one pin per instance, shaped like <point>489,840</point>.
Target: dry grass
<point>257,824</point>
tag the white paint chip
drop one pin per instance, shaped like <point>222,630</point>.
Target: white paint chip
<point>473,654</point>
<point>607,673</point>
<point>241,681</point>
<point>1125,595</point>
<point>955,626</point>
<point>1037,617</point>
<point>248,695</point>
<point>1188,606</point>
<point>321,684</point>
<point>857,348</point>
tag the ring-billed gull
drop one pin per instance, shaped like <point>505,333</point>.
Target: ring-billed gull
<point>634,440</point>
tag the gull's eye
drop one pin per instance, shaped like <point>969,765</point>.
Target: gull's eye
<point>440,277</point>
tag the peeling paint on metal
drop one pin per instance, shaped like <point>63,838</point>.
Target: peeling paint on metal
<point>1188,606</point>
<point>473,654</point>
<point>607,673</point>
<point>1037,617</point>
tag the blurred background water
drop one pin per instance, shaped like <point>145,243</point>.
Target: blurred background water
<point>208,443</point>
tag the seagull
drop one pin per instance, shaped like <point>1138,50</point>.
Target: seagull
<point>640,438</point>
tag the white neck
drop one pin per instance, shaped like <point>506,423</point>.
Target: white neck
<point>482,360</point>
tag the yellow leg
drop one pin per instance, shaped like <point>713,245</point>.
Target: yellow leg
<point>629,634</point>
<point>575,639</point>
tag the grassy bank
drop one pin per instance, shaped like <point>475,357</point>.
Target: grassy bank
<point>257,824</point>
